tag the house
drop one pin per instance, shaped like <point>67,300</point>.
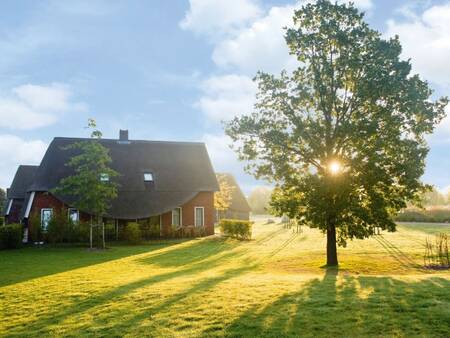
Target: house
<point>162,183</point>
<point>239,207</point>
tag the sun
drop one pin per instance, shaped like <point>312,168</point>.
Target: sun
<point>334,167</point>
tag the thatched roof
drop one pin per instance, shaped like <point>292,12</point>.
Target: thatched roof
<point>180,171</point>
<point>23,179</point>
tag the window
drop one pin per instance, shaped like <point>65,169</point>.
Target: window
<point>148,177</point>
<point>74,215</point>
<point>176,216</point>
<point>46,216</point>
<point>199,216</point>
<point>104,178</point>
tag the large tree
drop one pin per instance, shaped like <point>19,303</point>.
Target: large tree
<point>342,136</point>
<point>92,185</point>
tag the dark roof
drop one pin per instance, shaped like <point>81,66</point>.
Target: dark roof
<point>180,171</point>
<point>238,199</point>
<point>22,181</point>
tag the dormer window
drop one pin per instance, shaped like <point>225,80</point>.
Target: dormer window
<point>104,178</point>
<point>148,177</point>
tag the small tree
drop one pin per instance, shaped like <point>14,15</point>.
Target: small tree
<point>223,197</point>
<point>92,185</point>
<point>343,136</point>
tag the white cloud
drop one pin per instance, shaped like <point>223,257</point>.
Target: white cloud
<point>15,151</point>
<point>260,46</point>
<point>361,4</point>
<point>426,40</point>
<point>227,96</point>
<point>33,106</point>
<point>218,17</point>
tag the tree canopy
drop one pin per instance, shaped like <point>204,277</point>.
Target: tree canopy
<point>343,136</point>
<point>223,197</point>
<point>92,184</point>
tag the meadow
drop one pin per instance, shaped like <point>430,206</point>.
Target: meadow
<point>272,286</point>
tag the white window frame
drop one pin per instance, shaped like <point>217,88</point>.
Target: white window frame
<point>181,216</point>
<point>203,216</point>
<point>78,214</point>
<point>151,177</point>
<point>42,213</point>
<point>10,202</point>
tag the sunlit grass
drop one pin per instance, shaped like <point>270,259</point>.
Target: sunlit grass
<point>273,285</point>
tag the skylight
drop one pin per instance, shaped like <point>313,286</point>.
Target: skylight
<point>148,177</point>
<point>104,178</point>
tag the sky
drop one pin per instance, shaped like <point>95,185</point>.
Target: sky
<point>173,70</point>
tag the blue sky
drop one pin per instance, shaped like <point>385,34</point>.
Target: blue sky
<point>172,70</point>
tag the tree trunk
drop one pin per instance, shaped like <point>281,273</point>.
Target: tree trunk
<point>331,246</point>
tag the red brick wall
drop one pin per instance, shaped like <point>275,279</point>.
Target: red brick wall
<point>202,199</point>
<point>46,200</point>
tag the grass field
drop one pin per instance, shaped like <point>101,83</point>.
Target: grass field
<point>271,286</point>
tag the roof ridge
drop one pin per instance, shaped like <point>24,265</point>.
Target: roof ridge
<point>131,141</point>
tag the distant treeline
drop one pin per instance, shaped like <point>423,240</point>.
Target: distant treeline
<point>429,215</point>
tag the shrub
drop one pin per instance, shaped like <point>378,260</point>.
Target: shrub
<point>2,221</point>
<point>236,228</point>
<point>35,233</point>
<point>133,233</point>
<point>11,236</point>
<point>58,229</point>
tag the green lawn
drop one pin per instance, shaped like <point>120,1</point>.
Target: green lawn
<point>271,286</point>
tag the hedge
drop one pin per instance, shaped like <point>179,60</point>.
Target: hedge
<point>236,228</point>
<point>11,236</point>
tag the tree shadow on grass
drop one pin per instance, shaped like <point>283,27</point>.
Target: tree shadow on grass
<point>192,252</point>
<point>353,307</point>
<point>28,263</point>
<point>198,263</point>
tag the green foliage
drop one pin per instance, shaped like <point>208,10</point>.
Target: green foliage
<point>58,228</point>
<point>2,198</point>
<point>35,233</point>
<point>133,233</point>
<point>91,194</point>
<point>343,136</point>
<point>259,200</point>
<point>11,236</point>
<point>432,215</point>
<point>236,228</point>
<point>2,220</point>
<point>150,228</point>
<point>61,229</point>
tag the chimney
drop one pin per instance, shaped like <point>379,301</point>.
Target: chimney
<point>123,135</point>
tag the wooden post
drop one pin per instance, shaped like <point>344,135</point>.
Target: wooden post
<point>90,237</point>
<point>103,229</point>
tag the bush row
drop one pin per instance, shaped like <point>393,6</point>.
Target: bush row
<point>435,215</point>
<point>11,236</point>
<point>236,228</point>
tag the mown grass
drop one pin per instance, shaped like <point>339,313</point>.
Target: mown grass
<point>271,286</point>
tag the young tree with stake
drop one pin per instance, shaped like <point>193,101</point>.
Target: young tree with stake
<point>92,185</point>
<point>343,135</point>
